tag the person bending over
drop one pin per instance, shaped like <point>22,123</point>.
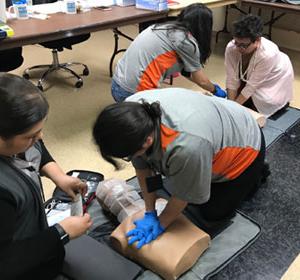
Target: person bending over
<point>163,49</point>
<point>259,75</point>
<point>211,151</point>
<point>29,248</point>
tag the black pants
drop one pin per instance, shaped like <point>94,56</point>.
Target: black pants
<point>226,197</point>
<point>249,104</point>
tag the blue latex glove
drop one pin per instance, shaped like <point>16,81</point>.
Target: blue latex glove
<point>147,229</point>
<point>219,91</point>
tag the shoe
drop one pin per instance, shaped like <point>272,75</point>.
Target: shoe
<point>212,228</point>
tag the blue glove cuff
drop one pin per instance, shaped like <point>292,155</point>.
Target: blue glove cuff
<point>219,92</point>
<point>216,88</point>
<point>152,213</point>
<point>162,228</point>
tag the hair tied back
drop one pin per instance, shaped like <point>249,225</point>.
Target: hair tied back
<point>153,109</point>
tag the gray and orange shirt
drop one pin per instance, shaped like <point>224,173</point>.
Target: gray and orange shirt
<point>155,54</point>
<point>202,139</point>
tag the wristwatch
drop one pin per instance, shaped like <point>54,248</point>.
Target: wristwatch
<point>64,237</point>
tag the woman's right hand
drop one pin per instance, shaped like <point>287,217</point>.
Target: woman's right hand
<point>76,226</point>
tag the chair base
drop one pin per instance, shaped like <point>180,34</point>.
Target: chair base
<point>54,67</point>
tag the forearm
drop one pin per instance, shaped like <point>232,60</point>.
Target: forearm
<point>201,80</point>
<point>173,209</point>
<point>70,185</point>
<point>241,99</point>
<point>52,171</point>
<point>149,198</point>
<point>232,94</point>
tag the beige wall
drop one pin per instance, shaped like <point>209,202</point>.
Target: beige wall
<point>290,21</point>
<point>286,31</point>
<point>218,18</point>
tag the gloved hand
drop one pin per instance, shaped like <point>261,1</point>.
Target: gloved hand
<point>219,91</point>
<point>147,229</point>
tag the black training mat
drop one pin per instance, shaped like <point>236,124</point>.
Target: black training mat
<point>279,123</point>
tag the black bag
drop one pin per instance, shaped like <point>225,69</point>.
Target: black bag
<point>92,180</point>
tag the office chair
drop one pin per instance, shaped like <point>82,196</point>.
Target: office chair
<point>58,46</point>
<point>10,59</point>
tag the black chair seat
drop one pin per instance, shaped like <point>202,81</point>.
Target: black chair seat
<point>10,59</point>
<point>67,43</point>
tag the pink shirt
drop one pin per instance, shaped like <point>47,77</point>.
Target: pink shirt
<point>269,77</point>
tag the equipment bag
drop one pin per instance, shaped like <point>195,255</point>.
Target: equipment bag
<point>92,180</point>
<point>61,201</point>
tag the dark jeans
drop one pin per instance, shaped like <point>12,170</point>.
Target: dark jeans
<point>226,197</point>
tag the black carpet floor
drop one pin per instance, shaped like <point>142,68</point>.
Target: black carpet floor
<point>276,207</point>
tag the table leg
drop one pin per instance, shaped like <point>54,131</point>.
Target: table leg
<point>117,33</point>
<point>225,30</point>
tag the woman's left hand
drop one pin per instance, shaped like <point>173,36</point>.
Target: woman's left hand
<point>72,185</point>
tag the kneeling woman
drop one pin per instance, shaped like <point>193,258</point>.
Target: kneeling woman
<point>211,150</point>
<point>259,75</point>
<point>163,49</point>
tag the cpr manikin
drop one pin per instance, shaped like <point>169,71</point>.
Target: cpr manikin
<point>172,253</point>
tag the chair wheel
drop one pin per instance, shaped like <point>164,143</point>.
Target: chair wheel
<point>40,87</point>
<point>26,76</point>
<point>79,84</point>
<point>85,72</point>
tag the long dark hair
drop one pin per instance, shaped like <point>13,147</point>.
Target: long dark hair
<point>196,19</point>
<point>22,105</point>
<point>121,129</point>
